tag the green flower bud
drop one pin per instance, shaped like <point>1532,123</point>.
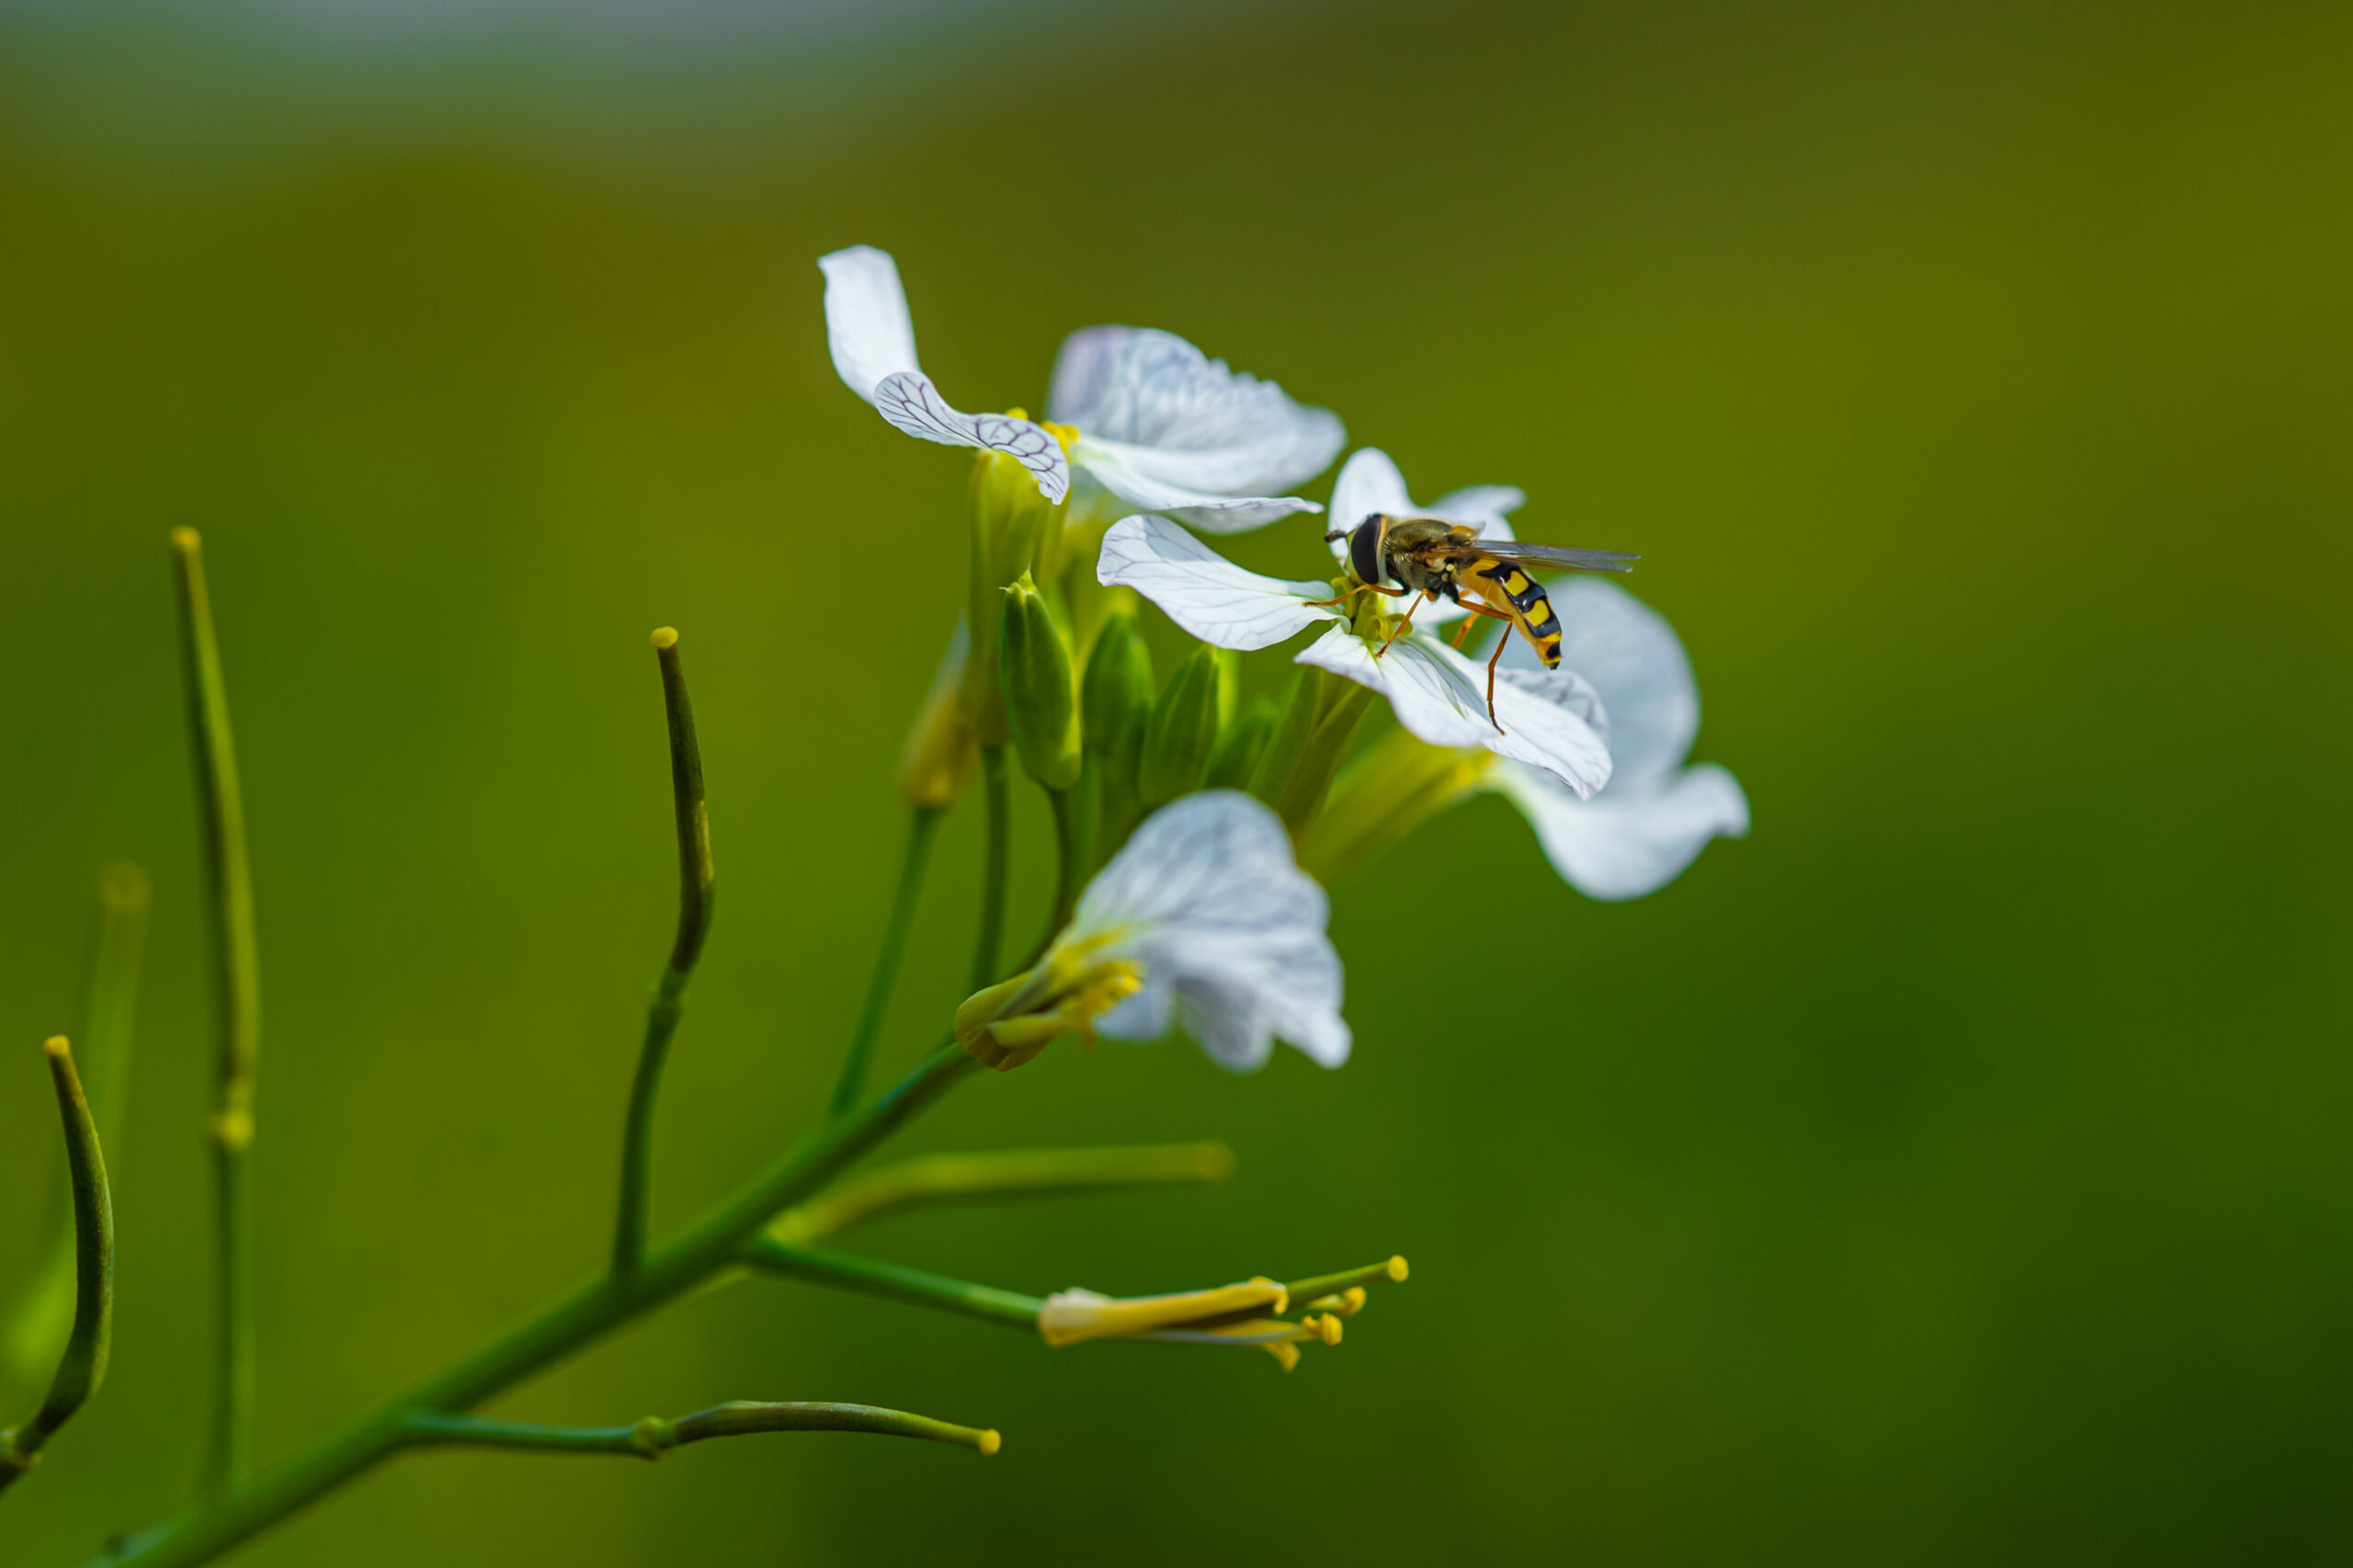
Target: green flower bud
<point>1183,726</point>
<point>1295,768</point>
<point>1118,681</point>
<point>1395,786</point>
<point>1040,707</point>
<point>1115,702</point>
<point>1240,745</point>
<point>1008,516</point>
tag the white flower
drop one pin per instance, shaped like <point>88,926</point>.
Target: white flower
<point>1655,816</point>
<point>1547,719</point>
<point>1202,921</point>
<point>1142,414</point>
<point>1369,483</point>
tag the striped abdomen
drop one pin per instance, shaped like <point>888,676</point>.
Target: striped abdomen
<point>1534,611</point>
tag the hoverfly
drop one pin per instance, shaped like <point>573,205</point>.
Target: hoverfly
<point>1432,558</point>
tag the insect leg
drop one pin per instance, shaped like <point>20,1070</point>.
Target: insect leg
<point>1462,633</point>
<point>1501,643</point>
<point>1352,593</point>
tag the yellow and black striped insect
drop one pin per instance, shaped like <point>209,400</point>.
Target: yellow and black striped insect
<point>1429,557</point>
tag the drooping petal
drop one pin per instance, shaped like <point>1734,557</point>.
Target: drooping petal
<point>1441,696</point>
<point>912,403</point>
<point>866,323</point>
<point>873,342</point>
<point>1635,661</point>
<point>1629,841</point>
<point>1229,931</point>
<point>1157,481</point>
<point>1203,592</point>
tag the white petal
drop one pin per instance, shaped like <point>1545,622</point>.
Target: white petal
<point>866,323</point>
<point>1215,862</point>
<point>1229,932</point>
<point>1148,389</point>
<point>1628,842</point>
<point>1483,506</point>
<point>1441,696</point>
<point>1156,481</point>
<point>1367,483</point>
<point>1634,660</point>
<point>1082,371</point>
<point>909,401</point>
<point>1203,592</point>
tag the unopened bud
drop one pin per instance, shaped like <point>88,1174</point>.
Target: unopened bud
<point>1241,744</point>
<point>1040,707</point>
<point>1007,515</point>
<point>942,746</point>
<point>1183,726</point>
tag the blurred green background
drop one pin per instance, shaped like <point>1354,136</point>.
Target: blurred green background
<point>1955,1171</point>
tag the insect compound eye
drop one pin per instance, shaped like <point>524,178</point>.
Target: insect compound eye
<point>1364,549</point>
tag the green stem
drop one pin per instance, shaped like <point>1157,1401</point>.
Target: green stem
<point>994,871</point>
<point>37,1333</point>
<point>1391,1271</point>
<point>712,1244</point>
<point>878,1279</point>
<point>84,1366</point>
<point>965,1178</point>
<point>911,865</point>
<point>1065,861</point>
<point>654,1437</point>
<point>238,988</point>
<point>696,888</point>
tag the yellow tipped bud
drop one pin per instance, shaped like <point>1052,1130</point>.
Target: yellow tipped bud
<point>991,1441</point>
<point>1040,697</point>
<point>942,747</point>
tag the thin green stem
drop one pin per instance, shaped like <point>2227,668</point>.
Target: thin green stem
<point>966,1178</point>
<point>655,1436</point>
<point>995,869</point>
<point>875,1278</point>
<point>238,996</point>
<point>714,1242</point>
<point>695,889</point>
<point>38,1331</point>
<point>1065,861</point>
<point>84,1366</point>
<point>921,828</point>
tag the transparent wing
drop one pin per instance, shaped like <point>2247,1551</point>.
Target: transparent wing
<point>1528,554</point>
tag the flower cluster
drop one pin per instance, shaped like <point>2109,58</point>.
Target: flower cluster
<point>1200,919</point>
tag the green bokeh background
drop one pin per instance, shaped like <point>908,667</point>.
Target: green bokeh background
<point>1955,1171</point>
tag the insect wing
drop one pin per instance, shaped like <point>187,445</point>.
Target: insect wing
<point>1530,555</point>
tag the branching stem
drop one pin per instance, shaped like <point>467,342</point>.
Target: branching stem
<point>654,1437</point>
<point>712,1244</point>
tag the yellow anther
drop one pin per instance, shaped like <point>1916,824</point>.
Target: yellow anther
<point>1347,1303</point>
<point>1284,1351</point>
<point>1327,1328</point>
